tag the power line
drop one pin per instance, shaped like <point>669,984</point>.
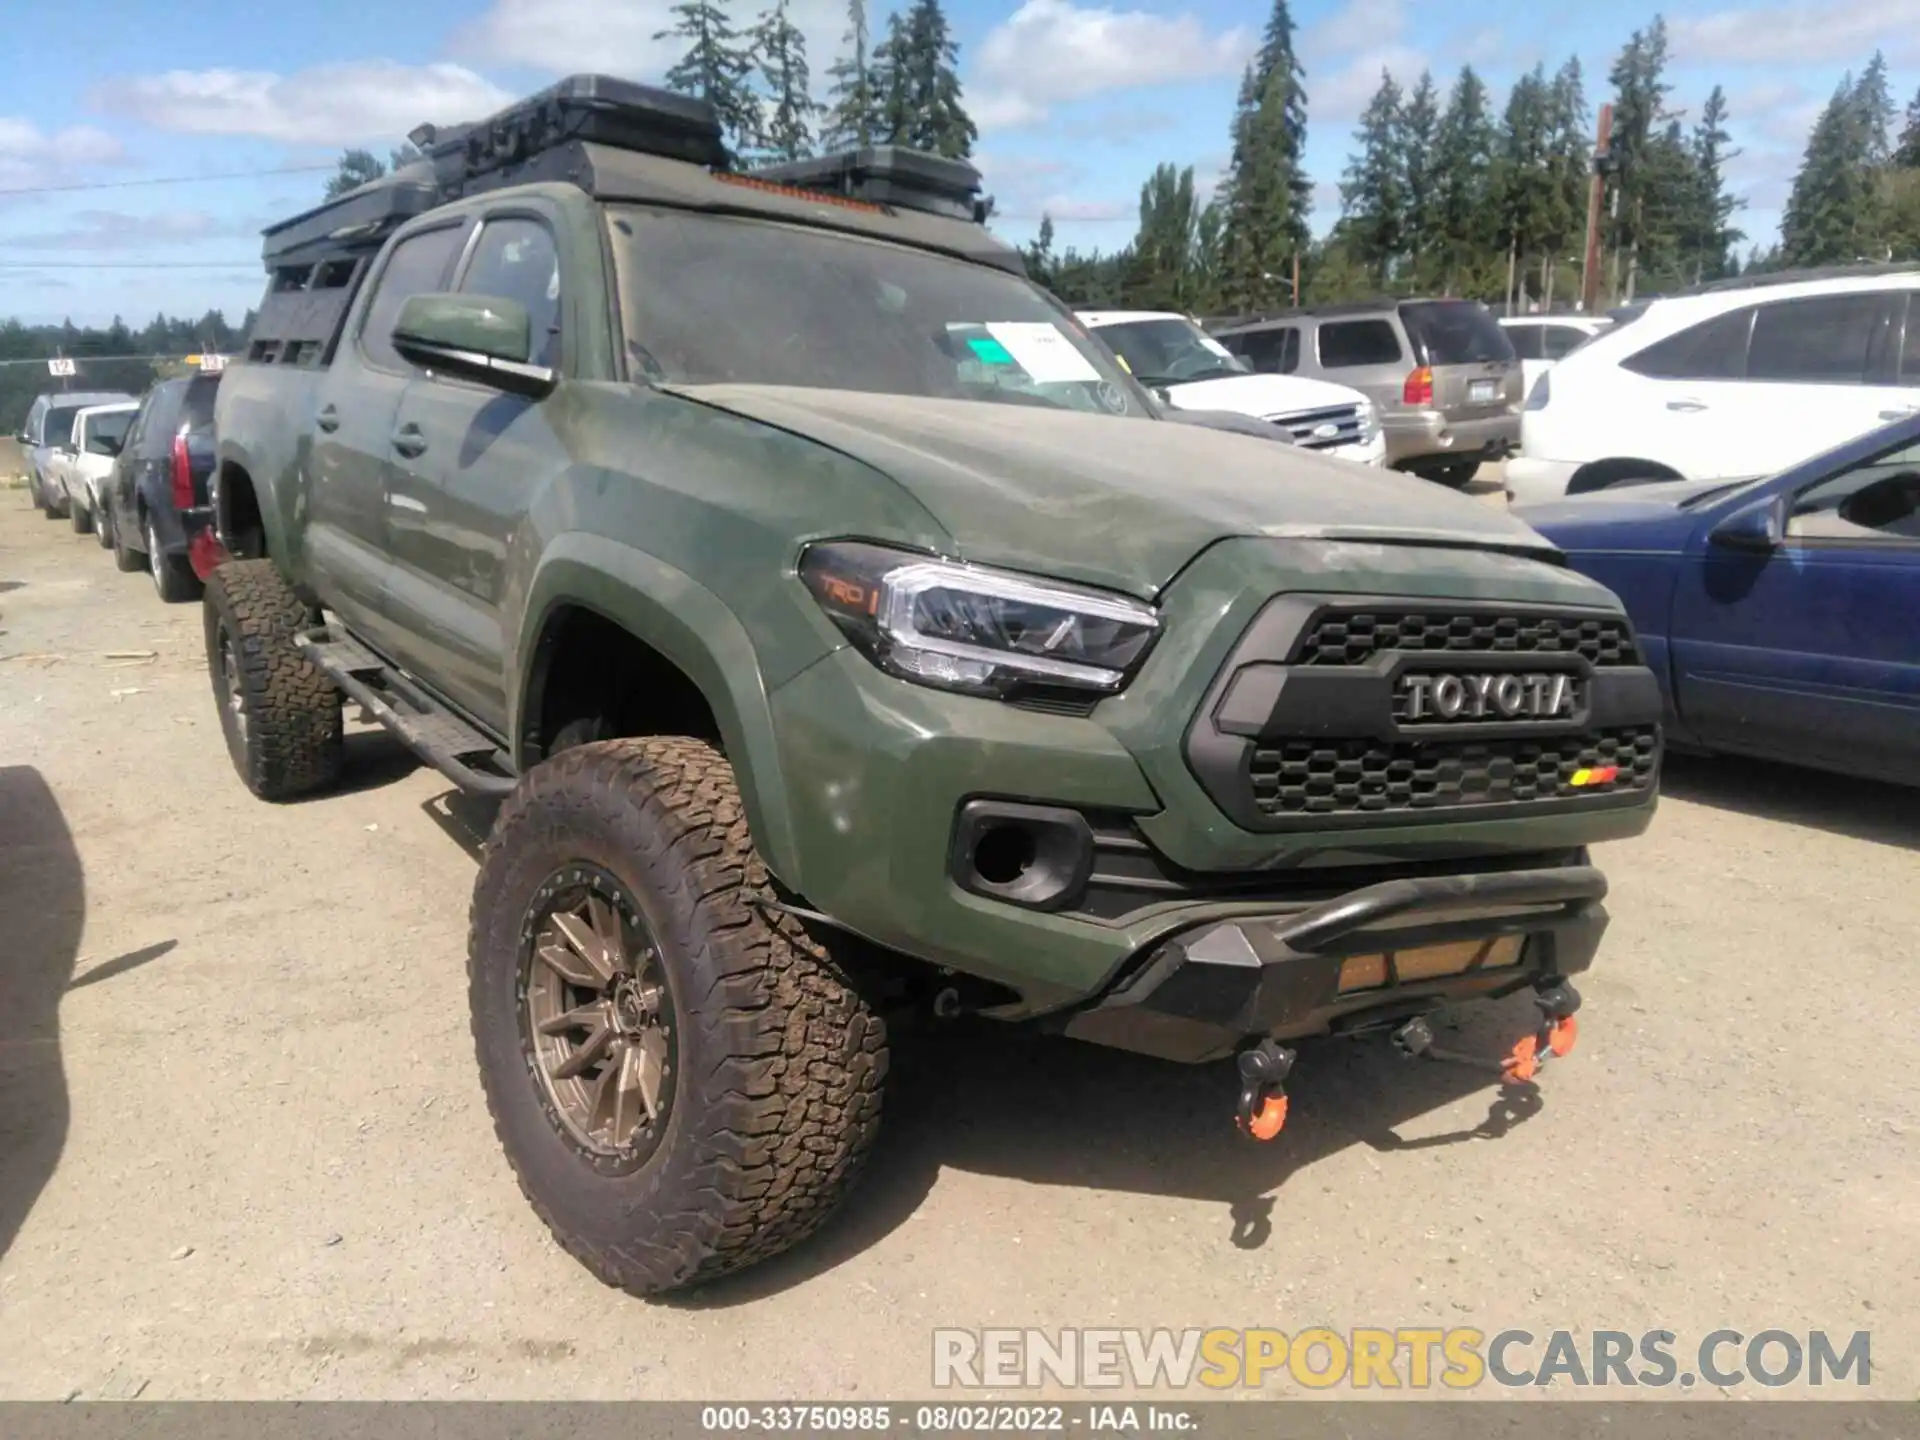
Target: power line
<point>250,262</point>
<point>166,180</point>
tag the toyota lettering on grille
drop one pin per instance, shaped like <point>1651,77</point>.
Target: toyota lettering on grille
<point>1501,695</point>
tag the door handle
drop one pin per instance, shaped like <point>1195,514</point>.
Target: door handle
<point>410,441</point>
<point>328,419</point>
<point>1687,407</point>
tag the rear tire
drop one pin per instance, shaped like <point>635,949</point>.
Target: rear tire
<point>766,1088</point>
<point>103,527</point>
<point>173,577</point>
<point>279,713</point>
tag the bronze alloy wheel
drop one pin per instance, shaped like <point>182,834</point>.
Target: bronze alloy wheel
<point>596,1018</point>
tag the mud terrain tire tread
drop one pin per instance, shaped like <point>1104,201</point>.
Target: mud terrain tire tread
<point>293,744</point>
<point>781,1061</point>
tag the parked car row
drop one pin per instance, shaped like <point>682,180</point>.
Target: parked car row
<point>132,471</point>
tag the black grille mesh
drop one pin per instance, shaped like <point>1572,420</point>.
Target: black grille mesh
<point>1330,777</point>
<point>1353,637</point>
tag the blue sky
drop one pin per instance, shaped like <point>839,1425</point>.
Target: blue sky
<point>1077,101</point>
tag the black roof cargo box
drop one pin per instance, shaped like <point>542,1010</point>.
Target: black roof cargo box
<point>596,109</point>
<point>357,220</point>
<point>887,175</point>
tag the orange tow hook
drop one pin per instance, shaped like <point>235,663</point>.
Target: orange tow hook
<point>1562,1034</point>
<point>1263,1100</point>
<point>1270,1119</point>
<point>1522,1062</point>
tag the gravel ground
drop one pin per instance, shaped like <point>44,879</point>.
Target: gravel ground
<point>243,1151</point>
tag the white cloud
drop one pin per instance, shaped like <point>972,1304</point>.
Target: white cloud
<point>1799,34</point>
<point>336,104</point>
<point>1357,25</point>
<point>1050,51</point>
<point>564,36</point>
<point>30,156</point>
<point>1337,96</point>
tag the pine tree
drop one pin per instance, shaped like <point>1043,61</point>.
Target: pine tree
<point>356,168</point>
<point>782,51</point>
<point>1710,238</point>
<point>1268,194</point>
<point>918,80</point>
<point>1643,158</point>
<point>1160,269</point>
<point>1038,254</point>
<point>1572,158</point>
<point>1875,102</point>
<point>1906,154</point>
<point>1462,165</point>
<point>1524,182</point>
<point>1419,120</point>
<point>1372,191</point>
<point>854,117</point>
<point>1822,221</point>
<point>716,67</point>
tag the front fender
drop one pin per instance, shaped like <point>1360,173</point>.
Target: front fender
<point>694,629</point>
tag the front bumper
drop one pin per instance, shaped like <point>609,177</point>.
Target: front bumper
<point>1367,452</point>
<point>1199,995</point>
<point>875,774</point>
<point>1429,435</point>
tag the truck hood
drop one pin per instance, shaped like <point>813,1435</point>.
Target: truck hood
<point>1108,501</point>
<point>1266,396</point>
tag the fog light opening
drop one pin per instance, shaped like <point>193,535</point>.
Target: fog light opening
<point>1004,854</point>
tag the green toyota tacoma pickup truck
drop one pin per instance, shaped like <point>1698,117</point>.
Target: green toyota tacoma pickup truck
<point>845,629</point>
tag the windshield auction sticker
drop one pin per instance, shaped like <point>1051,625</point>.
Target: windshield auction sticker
<point>1040,349</point>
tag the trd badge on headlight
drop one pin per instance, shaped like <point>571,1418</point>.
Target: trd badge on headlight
<point>1502,695</point>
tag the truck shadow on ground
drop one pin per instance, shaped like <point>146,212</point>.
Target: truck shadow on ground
<point>1839,804</point>
<point>992,1100</point>
<point>43,905</point>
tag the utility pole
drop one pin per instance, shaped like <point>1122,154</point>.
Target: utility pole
<point>1596,195</point>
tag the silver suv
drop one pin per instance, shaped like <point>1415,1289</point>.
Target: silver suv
<point>1441,373</point>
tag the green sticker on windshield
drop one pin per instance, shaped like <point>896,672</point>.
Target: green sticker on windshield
<point>991,351</point>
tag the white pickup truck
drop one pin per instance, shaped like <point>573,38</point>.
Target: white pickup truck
<point>1190,370</point>
<point>78,469</point>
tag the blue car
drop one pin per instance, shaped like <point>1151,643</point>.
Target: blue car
<point>1781,614</point>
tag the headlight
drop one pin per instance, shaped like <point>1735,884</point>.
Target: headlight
<point>1369,422</point>
<point>963,627</point>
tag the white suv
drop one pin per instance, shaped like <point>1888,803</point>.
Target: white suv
<point>1744,378</point>
<point>1191,370</point>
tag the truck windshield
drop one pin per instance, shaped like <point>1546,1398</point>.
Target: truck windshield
<point>1170,352</point>
<point>731,301</point>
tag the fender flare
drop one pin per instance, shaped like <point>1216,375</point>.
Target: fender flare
<point>694,629</point>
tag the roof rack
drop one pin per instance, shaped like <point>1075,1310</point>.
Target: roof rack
<point>1864,269</point>
<point>888,175</point>
<point>534,139</point>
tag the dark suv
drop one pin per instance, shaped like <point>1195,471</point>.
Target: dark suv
<point>1441,373</point>
<point>155,512</point>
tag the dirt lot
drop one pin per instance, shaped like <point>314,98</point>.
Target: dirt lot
<point>243,1153</point>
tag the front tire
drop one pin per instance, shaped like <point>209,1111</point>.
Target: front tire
<point>1455,474</point>
<point>80,518</point>
<point>280,714</point>
<point>125,560</point>
<point>756,1066</point>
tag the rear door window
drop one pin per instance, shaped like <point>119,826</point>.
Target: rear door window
<point>162,419</point>
<point>1822,339</point>
<point>197,403</point>
<point>1271,352</point>
<point>1455,332</point>
<point>1559,341</point>
<point>1714,349</point>
<point>1347,343</point>
<point>1525,340</point>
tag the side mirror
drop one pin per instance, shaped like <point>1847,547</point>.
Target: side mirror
<point>476,337</point>
<point>1757,528</point>
<point>21,438</point>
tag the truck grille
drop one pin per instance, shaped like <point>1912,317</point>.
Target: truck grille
<point>1303,425</point>
<point>1353,638</point>
<point>1330,777</point>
